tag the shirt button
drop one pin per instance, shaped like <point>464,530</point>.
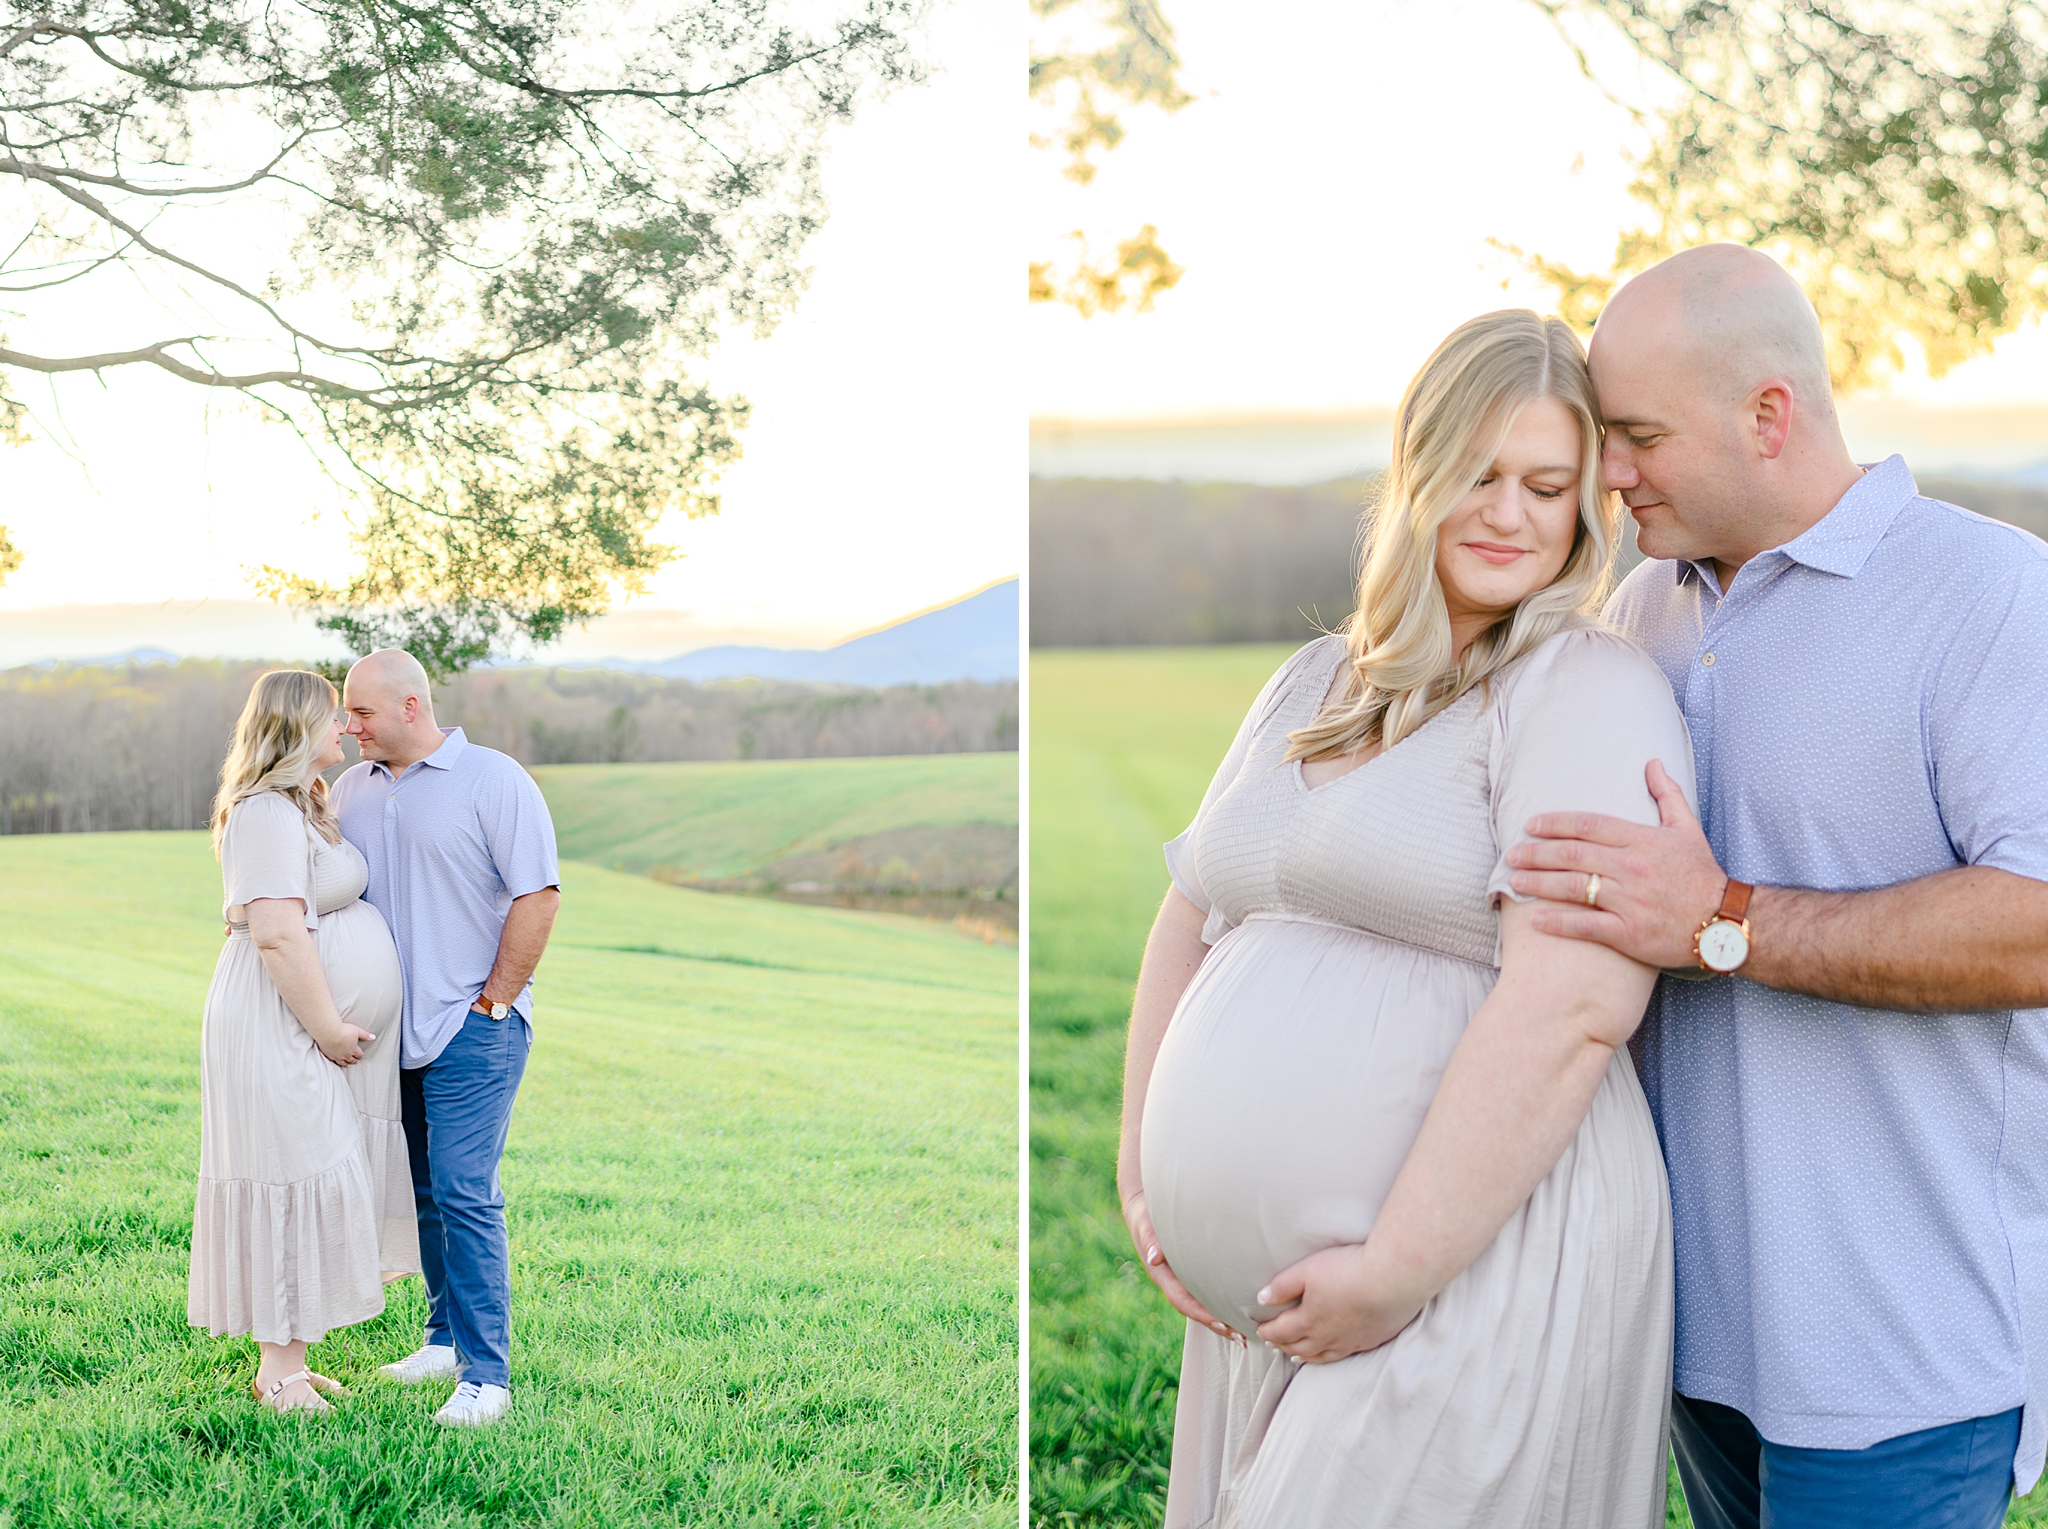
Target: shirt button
<point>1707,659</point>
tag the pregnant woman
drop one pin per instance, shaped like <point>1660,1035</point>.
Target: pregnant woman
<point>305,1207</point>
<point>1383,1144</point>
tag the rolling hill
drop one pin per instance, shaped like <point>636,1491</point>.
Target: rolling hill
<point>928,834</point>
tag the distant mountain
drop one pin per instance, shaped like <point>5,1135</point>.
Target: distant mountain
<point>974,638</point>
<point>113,660</point>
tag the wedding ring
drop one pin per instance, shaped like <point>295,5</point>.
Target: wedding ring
<point>1593,890</point>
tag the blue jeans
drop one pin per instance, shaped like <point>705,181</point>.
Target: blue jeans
<point>1958,1476</point>
<point>456,1111</point>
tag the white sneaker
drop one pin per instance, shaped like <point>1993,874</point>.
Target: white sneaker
<point>432,1362</point>
<point>473,1404</point>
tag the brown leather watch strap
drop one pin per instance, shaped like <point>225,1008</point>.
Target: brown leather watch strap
<point>1735,901</point>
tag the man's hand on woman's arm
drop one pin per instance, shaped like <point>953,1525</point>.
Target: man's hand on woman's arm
<point>1512,1097</point>
<point>1969,938</point>
<point>528,923</point>
<point>1172,953</point>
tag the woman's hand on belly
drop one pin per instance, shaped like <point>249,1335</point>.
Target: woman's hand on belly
<point>1347,1305</point>
<point>1139,1222</point>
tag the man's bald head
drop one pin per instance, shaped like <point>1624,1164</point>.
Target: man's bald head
<point>1722,438</point>
<point>1735,315</point>
<point>392,675</point>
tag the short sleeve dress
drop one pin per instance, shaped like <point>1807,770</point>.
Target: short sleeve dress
<point>305,1203</point>
<point>1354,931</point>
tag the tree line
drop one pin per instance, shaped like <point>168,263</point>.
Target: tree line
<point>1132,562</point>
<point>90,748</point>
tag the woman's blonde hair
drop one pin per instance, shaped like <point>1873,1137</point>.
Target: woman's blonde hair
<point>280,734</point>
<point>1451,424</point>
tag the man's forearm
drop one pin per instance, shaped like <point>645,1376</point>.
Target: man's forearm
<point>527,926</point>
<point>1971,938</point>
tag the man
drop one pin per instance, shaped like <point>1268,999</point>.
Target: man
<point>462,866</point>
<point>1852,1097</point>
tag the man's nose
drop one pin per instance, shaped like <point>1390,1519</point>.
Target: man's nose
<point>1617,469</point>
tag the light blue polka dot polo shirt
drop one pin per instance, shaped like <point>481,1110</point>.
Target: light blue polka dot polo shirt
<point>1860,1196</point>
<point>450,843</point>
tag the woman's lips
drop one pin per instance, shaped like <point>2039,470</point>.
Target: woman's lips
<point>1496,552</point>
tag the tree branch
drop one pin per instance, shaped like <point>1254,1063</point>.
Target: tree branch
<point>58,281</point>
<point>157,355</point>
<point>32,170</point>
<point>29,171</point>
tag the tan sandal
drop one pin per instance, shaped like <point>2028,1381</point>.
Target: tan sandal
<point>312,1403</point>
<point>321,1382</point>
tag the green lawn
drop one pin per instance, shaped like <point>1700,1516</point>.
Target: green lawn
<point>1123,742</point>
<point>761,1186</point>
<point>724,821</point>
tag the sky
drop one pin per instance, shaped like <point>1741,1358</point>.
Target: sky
<point>1331,194</point>
<point>884,467</point>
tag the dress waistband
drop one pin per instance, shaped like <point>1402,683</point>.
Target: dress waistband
<point>1274,917</point>
<point>243,929</point>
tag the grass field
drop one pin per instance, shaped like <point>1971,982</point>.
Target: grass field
<point>934,835</point>
<point>761,1186</point>
<point>725,822</point>
<point>1123,742</point>
<point>1122,745</point>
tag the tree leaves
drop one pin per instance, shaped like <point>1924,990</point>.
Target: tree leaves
<point>1893,157</point>
<point>1132,277</point>
<point>1132,59</point>
<point>1123,52</point>
<point>509,230</point>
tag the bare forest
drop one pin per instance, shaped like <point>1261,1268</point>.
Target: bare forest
<point>86,748</point>
<point>1134,562</point>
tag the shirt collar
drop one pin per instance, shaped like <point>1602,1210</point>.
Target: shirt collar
<point>453,743</point>
<point>443,758</point>
<point>1841,541</point>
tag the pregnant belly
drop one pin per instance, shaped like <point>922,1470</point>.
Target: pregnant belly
<point>1285,1096</point>
<point>362,967</point>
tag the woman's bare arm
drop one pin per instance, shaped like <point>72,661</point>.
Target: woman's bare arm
<point>1173,951</point>
<point>1512,1097</point>
<point>277,925</point>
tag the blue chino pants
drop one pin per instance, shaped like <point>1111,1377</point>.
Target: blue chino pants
<point>456,1111</point>
<point>1958,1476</point>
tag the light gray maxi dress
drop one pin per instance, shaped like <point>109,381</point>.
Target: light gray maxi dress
<point>1354,933</point>
<point>305,1203</point>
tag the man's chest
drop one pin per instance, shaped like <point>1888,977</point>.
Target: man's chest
<point>1808,720</point>
<point>415,829</point>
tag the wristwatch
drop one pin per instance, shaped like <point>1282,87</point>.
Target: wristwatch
<point>495,1010</point>
<point>1722,943</point>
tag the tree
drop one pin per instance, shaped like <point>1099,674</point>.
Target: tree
<point>1124,55</point>
<point>468,249</point>
<point>1894,157</point>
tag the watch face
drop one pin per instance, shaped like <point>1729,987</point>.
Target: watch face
<point>1723,946</point>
